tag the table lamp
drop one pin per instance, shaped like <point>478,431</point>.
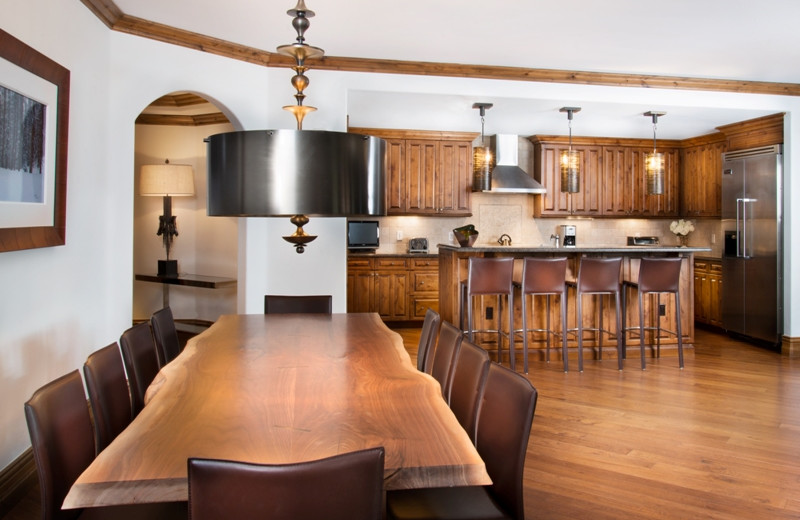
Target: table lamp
<point>167,180</point>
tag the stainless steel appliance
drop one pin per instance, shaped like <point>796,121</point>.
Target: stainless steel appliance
<point>568,234</point>
<point>418,245</point>
<point>752,263</point>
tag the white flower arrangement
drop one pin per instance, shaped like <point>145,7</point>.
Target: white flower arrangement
<point>681,227</point>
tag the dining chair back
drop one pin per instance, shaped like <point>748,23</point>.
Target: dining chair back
<point>348,486</point>
<point>450,338</point>
<point>306,304</point>
<point>466,390</point>
<point>504,427</point>
<point>427,340</point>
<point>168,346</point>
<point>61,439</point>
<point>109,395</point>
<point>63,447</point>
<point>141,361</point>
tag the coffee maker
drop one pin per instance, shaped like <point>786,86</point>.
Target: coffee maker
<point>568,233</point>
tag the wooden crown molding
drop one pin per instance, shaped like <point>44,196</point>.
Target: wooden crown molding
<point>116,20</point>
<point>215,118</point>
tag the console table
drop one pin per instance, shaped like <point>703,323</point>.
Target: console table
<point>189,280</point>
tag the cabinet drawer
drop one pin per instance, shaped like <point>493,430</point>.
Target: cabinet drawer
<point>425,282</point>
<point>715,268</point>
<point>359,263</point>
<point>390,263</point>
<point>420,305</point>
<point>700,265</point>
<point>424,263</point>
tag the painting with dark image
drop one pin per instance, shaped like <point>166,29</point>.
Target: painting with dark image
<point>22,127</point>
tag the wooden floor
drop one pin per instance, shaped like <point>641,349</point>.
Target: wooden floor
<point>717,440</point>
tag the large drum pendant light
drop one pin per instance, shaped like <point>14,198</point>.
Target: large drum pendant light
<point>570,159</point>
<point>654,162</point>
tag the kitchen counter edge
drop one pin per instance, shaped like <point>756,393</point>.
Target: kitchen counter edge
<point>588,249</point>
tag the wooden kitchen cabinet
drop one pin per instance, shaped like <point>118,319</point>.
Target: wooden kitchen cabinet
<point>707,291</point>
<point>701,176</point>
<point>397,288</point>
<point>547,171</point>
<point>427,173</point>
<point>612,178</point>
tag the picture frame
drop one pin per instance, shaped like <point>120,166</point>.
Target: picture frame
<point>25,223</point>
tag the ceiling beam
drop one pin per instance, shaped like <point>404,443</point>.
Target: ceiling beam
<point>115,19</point>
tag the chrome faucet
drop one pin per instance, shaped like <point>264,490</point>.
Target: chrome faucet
<point>504,240</point>
<point>557,239</point>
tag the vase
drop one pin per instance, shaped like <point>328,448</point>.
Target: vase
<point>683,240</point>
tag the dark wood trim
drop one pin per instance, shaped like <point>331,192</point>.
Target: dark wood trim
<point>183,99</point>
<point>394,133</point>
<point>16,480</point>
<point>110,14</point>
<point>215,118</point>
<point>13,239</point>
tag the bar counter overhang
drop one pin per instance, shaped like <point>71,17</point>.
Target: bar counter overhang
<point>453,262</point>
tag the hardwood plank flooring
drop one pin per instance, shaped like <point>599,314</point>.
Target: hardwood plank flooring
<point>717,440</point>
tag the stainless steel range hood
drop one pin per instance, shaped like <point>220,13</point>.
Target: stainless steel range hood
<point>514,165</point>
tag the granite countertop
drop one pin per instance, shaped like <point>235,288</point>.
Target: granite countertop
<point>577,249</point>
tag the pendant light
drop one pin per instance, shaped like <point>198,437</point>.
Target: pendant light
<point>482,160</point>
<point>570,160</point>
<point>654,162</point>
<point>296,173</point>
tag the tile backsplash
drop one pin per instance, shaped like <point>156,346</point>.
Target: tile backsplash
<point>495,214</point>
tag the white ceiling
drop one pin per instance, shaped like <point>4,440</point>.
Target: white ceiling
<point>722,39</point>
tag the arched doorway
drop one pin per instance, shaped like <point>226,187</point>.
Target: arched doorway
<point>173,128</point>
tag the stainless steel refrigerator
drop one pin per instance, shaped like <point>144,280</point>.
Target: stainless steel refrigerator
<point>752,263</point>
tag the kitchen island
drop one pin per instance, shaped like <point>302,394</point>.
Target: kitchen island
<point>453,262</point>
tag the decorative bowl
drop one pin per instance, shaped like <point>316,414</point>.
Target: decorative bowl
<point>466,235</point>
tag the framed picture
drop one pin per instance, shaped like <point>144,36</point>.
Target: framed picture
<point>34,125</point>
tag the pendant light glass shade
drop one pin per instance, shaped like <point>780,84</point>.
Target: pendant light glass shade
<point>654,173</point>
<point>570,160</point>
<point>482,157</point>
<point>482,165</point>
<point>570,171</point>
<point>654,162</point>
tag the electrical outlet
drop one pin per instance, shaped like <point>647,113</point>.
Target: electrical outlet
<point>399,234</point>
<point>451,236</point>
<point>662,310</point>
<point>713,238</point>
<point>489,313</point>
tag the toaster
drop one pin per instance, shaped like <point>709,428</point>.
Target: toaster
<point>418,245</point>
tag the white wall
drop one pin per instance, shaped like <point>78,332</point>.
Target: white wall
<point>61,303</point>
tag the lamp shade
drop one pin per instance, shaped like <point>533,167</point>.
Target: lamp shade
<point>274,173</point>
<point>175,180</point>
<point>654,173</point>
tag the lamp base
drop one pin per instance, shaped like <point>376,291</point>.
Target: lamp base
<point>167,268</point>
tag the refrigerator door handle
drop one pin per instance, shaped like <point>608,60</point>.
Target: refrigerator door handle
<point>742,249</point>
<point>739,230</point>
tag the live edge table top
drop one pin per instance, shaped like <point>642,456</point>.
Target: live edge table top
<point>279,389</point>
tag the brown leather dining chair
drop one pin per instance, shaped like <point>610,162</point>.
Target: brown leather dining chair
<point>168,346</point>
<point>109,396</point>
<point>447,346</point>
<point>141,361</point>
<point>466,389</point>
<point>348,486</point>
<point>306,304</point>
<point>63,447</point>
<point>427,340</point>
<point>504,427</point>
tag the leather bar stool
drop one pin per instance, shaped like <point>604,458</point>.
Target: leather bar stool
<point>599,276</point>
<point>657,275</point>
<point>490,277</point>
<point>544,277</point>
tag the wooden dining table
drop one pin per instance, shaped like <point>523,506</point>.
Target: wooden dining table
<point>278,389</point>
